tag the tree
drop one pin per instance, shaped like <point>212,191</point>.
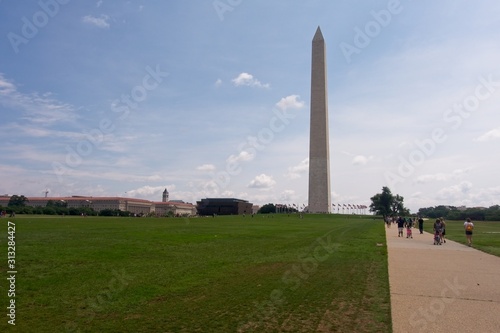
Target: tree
<point>493,213</point>
<point>267,208</point>
<point>107,212</point>
<point>387,204</point>
<point>17,201</point>
<point>453,213</point>
<point>435,212</point>
<point>398,206</point>
<point>49,210</point>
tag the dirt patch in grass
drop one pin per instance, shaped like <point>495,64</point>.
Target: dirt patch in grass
<point>133,316</point>
<point>335,320</point>
<point>158,299</point>
<point>357,314</point>
<point>267,268</point>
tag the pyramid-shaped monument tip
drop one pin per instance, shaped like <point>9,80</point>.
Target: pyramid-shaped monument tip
<point>318,35</point>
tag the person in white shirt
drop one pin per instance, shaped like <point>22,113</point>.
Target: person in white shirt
<point>469,227</point>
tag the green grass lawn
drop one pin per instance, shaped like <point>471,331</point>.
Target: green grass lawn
<point>323,273</point>
<point>486,236</point>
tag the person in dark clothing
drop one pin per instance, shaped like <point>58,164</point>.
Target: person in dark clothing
<point>443,232</point>
<point>401,225</point>
<point>421,224</point>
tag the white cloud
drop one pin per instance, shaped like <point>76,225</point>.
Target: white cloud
<point>207,188</point>
<point>361,160</point>
<point>100,22</point>
<point>218,83</point>
<point>32,154</point>
<point>290,102</point>
<point>6,87</point>
<point>433,178</point>
<point>227,194</point>
<point>455,193</point>
<point>150,191</point>
<point>458,195</point>
<point>99,3</point>
<point>297,170</point>
<point>287,195</point>
<point>245,79</point>
<point>39,132</point>
<point>404,144</point>
<point>97,171</point>
<point>40,109</point>
<point>262,181</point>
<point>455,174</point>
<point>206,167</point>
<point>487,196</point>
<point>243,156</point>
<point>494,134</point>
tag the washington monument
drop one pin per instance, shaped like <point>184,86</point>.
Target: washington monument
<point>319,148</point>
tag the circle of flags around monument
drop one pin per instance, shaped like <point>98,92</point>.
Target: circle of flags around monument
<point>336,208</point>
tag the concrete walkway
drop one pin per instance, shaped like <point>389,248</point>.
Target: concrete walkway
<point>441,288</point>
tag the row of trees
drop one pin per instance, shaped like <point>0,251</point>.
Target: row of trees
<point>49,210</point>
<point>453,213</point>
<point>387,204</point>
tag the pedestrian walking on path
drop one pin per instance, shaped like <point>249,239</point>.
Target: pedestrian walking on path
<point>409,225</point>
<point>401,225</point>
<point>443,229</point>
<point>421,224</point>
<point>438,232</point>
<point>469,228</point>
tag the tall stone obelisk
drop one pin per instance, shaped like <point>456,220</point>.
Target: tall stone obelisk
<point>319,147</point>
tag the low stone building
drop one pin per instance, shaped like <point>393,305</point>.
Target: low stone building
<point>174,208</point>
<point>133,205</point>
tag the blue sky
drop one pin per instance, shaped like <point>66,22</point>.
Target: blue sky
<point>211,99</point>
